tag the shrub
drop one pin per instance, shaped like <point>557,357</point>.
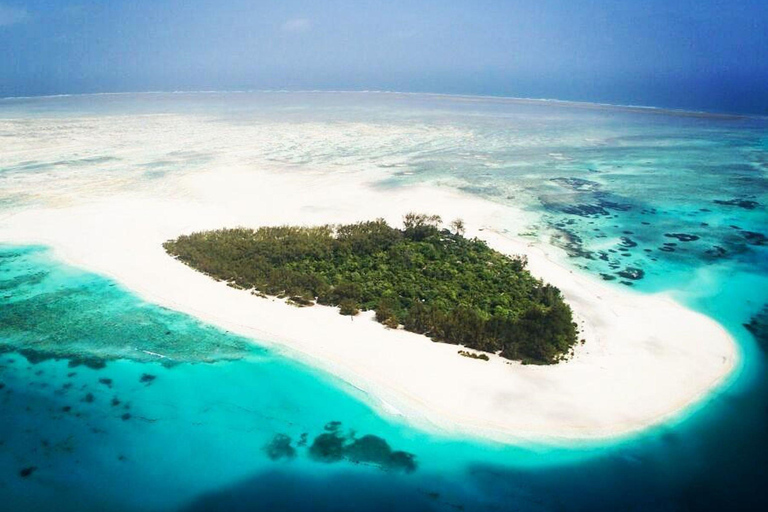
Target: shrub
<point>348,307</point>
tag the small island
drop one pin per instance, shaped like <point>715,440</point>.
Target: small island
<point>425,278</point>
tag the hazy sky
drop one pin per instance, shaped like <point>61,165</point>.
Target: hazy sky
<point>703,54</point>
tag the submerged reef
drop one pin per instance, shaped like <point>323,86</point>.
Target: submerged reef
<point>584,220</point>
<point>758,326</point>
<point>682,237</point>
<point>747,204</point>
<point>578,184</point>
<point>334,445</point>
<point>599,206</point>
<point>280,448</point>
<point>52,311</point>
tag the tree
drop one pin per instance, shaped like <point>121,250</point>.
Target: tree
<point>458,227</point>
<point>419,226</point>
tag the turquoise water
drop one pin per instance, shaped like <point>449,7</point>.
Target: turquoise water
<point>110,403</point>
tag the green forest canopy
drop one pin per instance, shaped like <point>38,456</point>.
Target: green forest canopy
<point>431,281</point>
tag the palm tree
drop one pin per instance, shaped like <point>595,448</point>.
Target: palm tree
<point>458,226</point>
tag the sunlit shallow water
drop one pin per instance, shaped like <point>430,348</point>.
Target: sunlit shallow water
<point>94,419</point>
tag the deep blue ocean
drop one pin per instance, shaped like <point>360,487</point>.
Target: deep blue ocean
<point>90,420</point>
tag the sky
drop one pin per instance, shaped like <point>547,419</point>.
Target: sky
<point>701,55</point>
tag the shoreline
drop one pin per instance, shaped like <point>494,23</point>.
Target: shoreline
<point>647,359</point>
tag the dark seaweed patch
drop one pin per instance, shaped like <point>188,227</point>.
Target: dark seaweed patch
<point>332,426</point>
<point>585,210</point>
<point>35,356</point>
<point>758,327</point>
<point>578,184</point>
<point>747,204</point>
<point>632,273</point>
<point>26,472</point>
<point>715,252</point>
<point>375,450</point>
<point>683,237</point>
<point>93,363</point>
<point>627,242</point>
<point>754,238</point>
<point>600,208</point>
<point>571,243</point>
<point>280,448</point>
<point>328,447</point>
<point>614,205</point>
<point>332,446</point>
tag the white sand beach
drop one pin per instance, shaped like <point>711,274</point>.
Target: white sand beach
<point>646,358</point>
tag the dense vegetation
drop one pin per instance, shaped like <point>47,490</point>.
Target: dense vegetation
<point>429,280</point>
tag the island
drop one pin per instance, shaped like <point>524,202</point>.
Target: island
<point>645,358</point>
<point>429,280</point>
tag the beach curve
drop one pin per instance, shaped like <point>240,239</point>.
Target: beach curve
<point>646,358</point>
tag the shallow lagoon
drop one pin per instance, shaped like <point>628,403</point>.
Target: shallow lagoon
<point>197,427</point>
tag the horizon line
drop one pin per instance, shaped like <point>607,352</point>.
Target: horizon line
<point>573,103</point>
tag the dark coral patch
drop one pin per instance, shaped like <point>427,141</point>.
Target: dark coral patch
<point>747,204</point>
<point>683,237</point>
<point>93,363</point>
<point>331,446</point>
<point>628,242</point>
<point>26,472</point>
<point>715,252</point>
<point>754,238</point>
<point>375,450</point>
<point>632,273</point>
<point>758,327</point>
<point>578,184</point>
<point>328,447</point>
<point>280,448</point>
